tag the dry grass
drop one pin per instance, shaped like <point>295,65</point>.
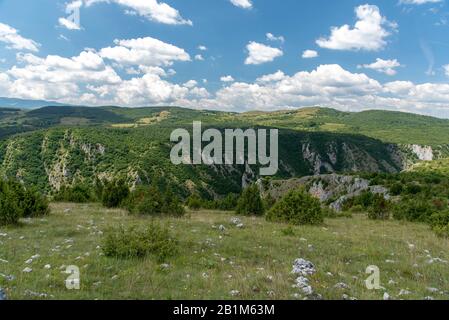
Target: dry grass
<point>255,260</point>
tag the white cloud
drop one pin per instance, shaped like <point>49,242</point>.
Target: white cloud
<point>418,2</point>
<point>190,84</point>
<point>202,48</point>
<point>14,40</point>
<point>369,33</point>
<point>272,37</point>
<point>259,53</point>
<point>144,51</point>
<point>58,78</point>
<point>331,86</point>
<point>64,22</point>
<point>152,10</point>
<point>446,69</point>
<point>199,57</point>
<point>384,66</point>
<point>274,77</point>
<point>245,4</point>
<point>309,54</point>
<point>227,79</point>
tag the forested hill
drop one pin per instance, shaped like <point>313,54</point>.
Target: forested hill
<point>55,146</point>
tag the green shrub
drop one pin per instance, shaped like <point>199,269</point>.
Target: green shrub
<point>78,194</point>
<point>229,203</point>
<point>357,209</point>
<point>413,188</point>
<point>149,201</point>
<point>172,204</point>
<point>439,222</point>
<point>250,202</point>
<point>34,204</point>
<point>269,202</point>
<point>396,189</point>
<point>114,193</point>
<point>10,212</point>
<point>194,202</point>
<point>298,208</point>
<point>415,210</point>
<point>364,200</point>
<point>139,242</point>
<point>16,201</point>
<point>380,208</point>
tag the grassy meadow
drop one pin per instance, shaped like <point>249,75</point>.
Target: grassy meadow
<point>218,260</point>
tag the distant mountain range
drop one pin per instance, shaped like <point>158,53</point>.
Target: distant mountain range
<point>26,104</point>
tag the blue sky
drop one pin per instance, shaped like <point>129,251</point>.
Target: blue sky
<point>258,54</point>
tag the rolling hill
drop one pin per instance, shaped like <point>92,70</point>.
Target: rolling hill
<point>56,146</point>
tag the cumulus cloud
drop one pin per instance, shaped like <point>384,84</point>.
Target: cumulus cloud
<point>144,51</point>
<point>384,66</point>
<point>245,4</point>
<point>331,86</point>
<point>89,78</point>
<point>272,37</point>
<point>227,79</point>
<point>14,40</point>
<point>369,32</point>
<point>152,10</point>
<point>259,53</point>
<point>68,24</point>
<point>199,57</point>
<point>309,54</point>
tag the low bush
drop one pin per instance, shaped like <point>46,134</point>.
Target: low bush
<point>114,193</point>
<point>396,189</point>
<point>77,193</point>
<point>16,201</point>
<point>149,201</point>
<point>363,200</point>
<point>439,222</point>
<point>380,208</point>
<point>194,202</point>
<point>138,242</point>
<point>298,208</point>
<point>250,202</point>
<point>415,210</point>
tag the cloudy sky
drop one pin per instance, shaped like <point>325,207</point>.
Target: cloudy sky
<point>235,55</point>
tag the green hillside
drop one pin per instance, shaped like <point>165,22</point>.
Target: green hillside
<point>56,146</point>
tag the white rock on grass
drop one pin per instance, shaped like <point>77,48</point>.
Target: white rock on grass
<point>236,221</point>
<point>387,296</point>
<point>47,266</point>
<point>341,285</point>
<point>303,267</point>
<point>302,283</point>
<point>4,261</point>
<point>27,270</point>
<point>404,292</point>
<point>234,293</point>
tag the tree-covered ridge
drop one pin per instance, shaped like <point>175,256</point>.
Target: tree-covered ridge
<point>388,126</point>
<point>55,157</point>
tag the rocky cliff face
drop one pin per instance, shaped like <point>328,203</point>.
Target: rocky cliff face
<point>424,153</point>
<point>332,189</point>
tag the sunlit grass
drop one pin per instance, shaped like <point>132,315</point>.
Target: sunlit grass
<point>256,260</point>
